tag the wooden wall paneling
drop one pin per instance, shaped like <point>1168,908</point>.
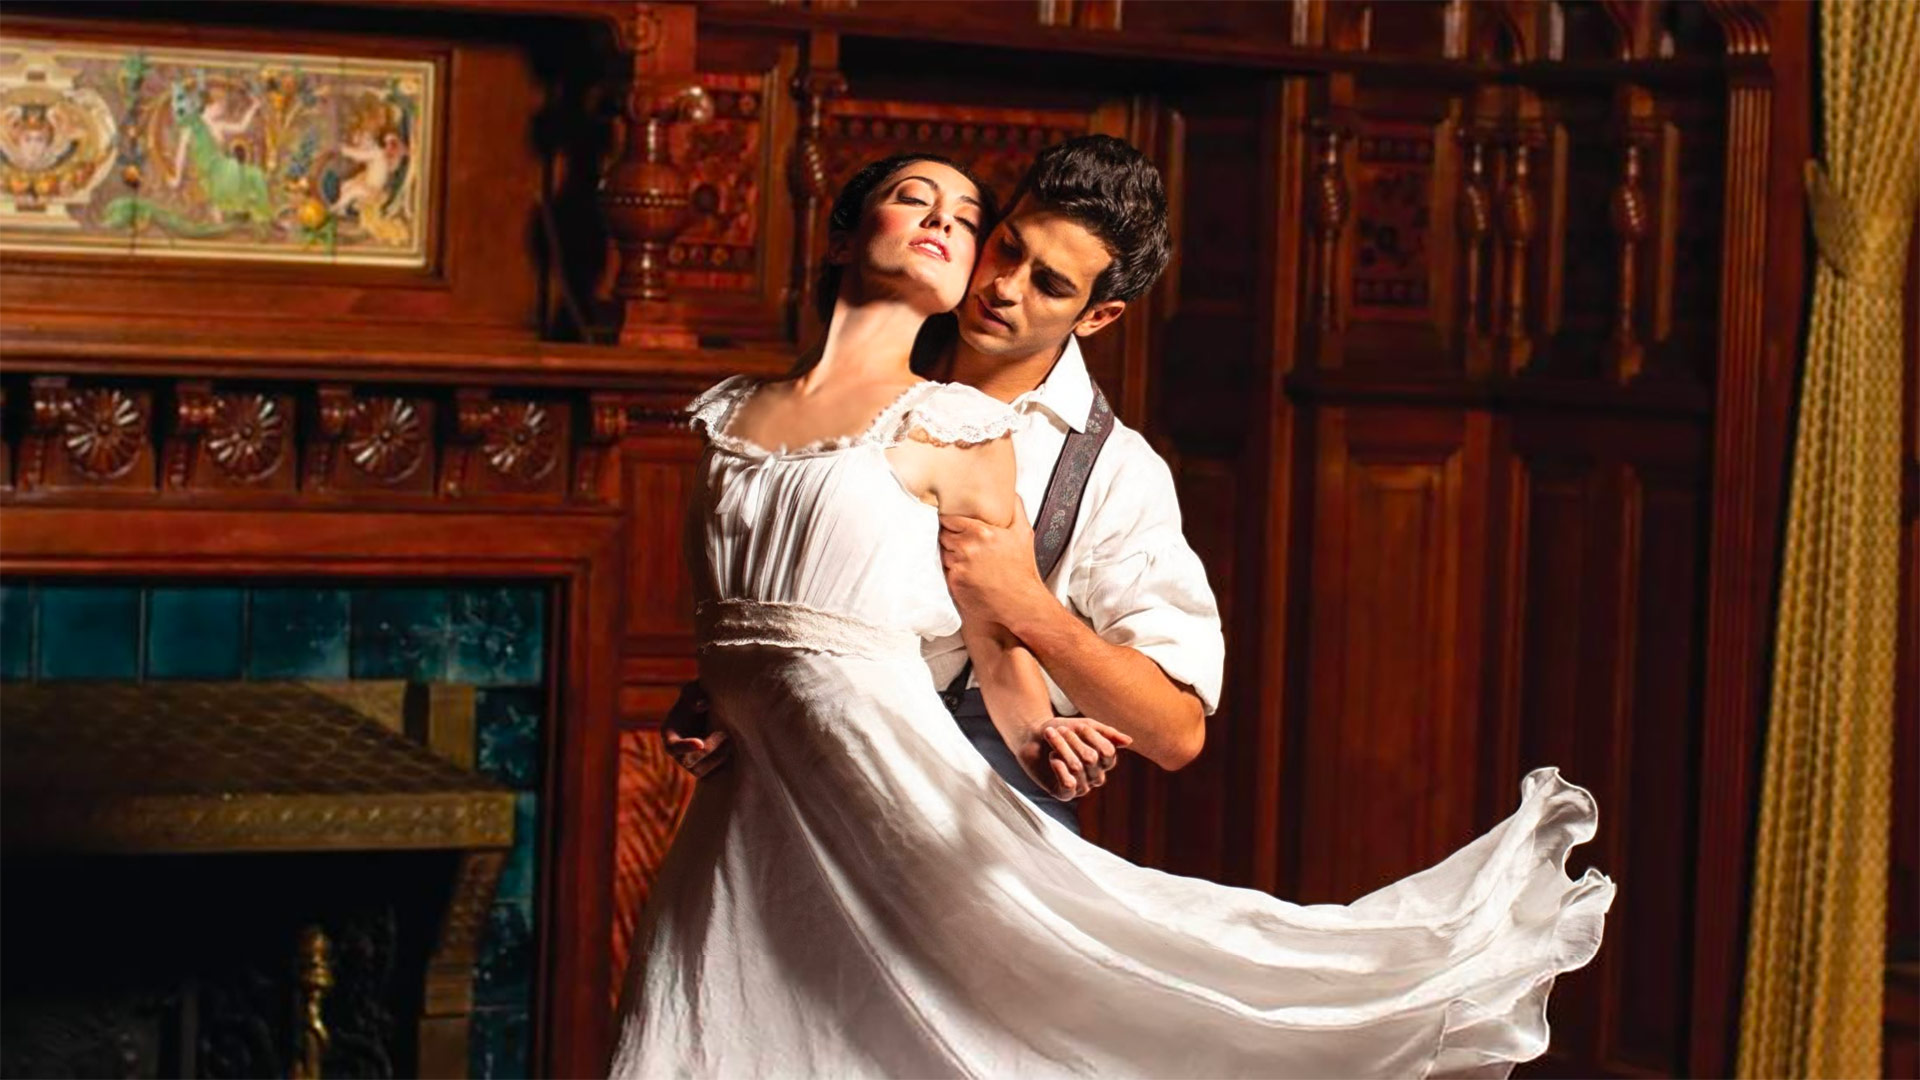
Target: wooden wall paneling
<point>1661,761</point>
<point>1390,748</point>
<point>1267,659</point>
<point>1203,325</point>
<point>1609,532</point>
<point>658,466</point>
<point>732,266</point>
<point>1405,163</point>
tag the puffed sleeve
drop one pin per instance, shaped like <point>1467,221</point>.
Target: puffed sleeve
<point>1141,585</point>
<point>953,414</point>
<point>707,414</point>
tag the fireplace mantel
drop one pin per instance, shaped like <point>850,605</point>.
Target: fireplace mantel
<point>576,551</point>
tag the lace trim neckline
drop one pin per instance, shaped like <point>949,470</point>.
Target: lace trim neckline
<point>720,435</point>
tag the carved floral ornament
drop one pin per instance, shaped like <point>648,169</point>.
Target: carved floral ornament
<point>246,434</point>
<point>386,438</point>
<point>103,431</point>
<point>520,440</point>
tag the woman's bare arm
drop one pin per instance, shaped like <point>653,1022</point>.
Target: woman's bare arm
<point>978,481</point>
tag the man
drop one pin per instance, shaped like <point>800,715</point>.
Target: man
<point>1123,623</point>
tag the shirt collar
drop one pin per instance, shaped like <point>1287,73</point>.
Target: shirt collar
<point>1066,392</point>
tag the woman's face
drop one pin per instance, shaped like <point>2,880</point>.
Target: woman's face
<point>918,236</point>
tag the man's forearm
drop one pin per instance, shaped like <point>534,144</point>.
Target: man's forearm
<point>1114,684</point>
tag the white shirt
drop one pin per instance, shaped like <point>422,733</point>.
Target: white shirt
<point>1127,571</point>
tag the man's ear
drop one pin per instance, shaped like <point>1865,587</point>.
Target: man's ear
<point>1098,317</point>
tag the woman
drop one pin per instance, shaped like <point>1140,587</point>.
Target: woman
<point>859,894</point>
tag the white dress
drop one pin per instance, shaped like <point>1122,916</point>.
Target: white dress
<point>858,894</point>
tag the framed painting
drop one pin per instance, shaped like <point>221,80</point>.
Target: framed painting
<point>163,152</point>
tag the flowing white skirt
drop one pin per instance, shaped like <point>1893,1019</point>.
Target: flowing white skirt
<point>858,894</point>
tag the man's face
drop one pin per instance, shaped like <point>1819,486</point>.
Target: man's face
<point>1030,288</point>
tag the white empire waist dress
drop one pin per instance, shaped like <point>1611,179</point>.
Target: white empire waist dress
<point>858,894</point>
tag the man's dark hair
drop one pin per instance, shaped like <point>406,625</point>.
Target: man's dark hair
<point>1111,190</point>
<point>851,203</point>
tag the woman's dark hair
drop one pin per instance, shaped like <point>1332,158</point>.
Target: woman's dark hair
<point>1110,189</point>
<point>852,202</point>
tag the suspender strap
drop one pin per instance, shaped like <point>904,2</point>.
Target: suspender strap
<point>1053,526</point>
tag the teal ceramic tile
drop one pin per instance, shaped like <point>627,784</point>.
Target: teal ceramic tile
<point>89,632</point>
<point>499,1044</point>
<point>194,633</point>
<point>507,730</point>
<point>499,634</point>
<point>504,975</point>
<point>519,875</point>
<point>401,632</point>
<point>295,633</point>
<point>16,631</point>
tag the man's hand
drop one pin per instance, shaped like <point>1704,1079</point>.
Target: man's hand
<point>990,570</point>
<point>688,731</point>
<point>1069,756</point>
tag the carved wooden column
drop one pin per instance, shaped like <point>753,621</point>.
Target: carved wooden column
<point>644,195</point>
<point>1474,211</point>
<point>1516,221</point>
<point>807,178</point>
<point>1641,214</point>
<point>1329,204</point>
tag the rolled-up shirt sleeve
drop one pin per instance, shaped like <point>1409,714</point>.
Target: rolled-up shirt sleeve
<point>1142,586</point>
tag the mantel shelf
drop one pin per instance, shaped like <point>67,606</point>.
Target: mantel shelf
<point>500,363</point>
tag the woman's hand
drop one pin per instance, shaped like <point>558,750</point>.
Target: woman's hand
<point>1069,756</point>
<point>692,742</point>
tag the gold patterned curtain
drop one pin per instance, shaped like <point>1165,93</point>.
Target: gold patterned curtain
<point>1815,955</point>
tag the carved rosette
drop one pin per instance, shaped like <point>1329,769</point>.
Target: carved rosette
<point>104,432</point>
<point>506,447</point>
<point>520,441</point>
<point>92,438</point>
<point>223,440</point>
<point>386,438</point>
<point>247,436</point>
<point>258,442</point>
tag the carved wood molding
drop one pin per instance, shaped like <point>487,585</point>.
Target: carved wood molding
<point>275,443</point>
